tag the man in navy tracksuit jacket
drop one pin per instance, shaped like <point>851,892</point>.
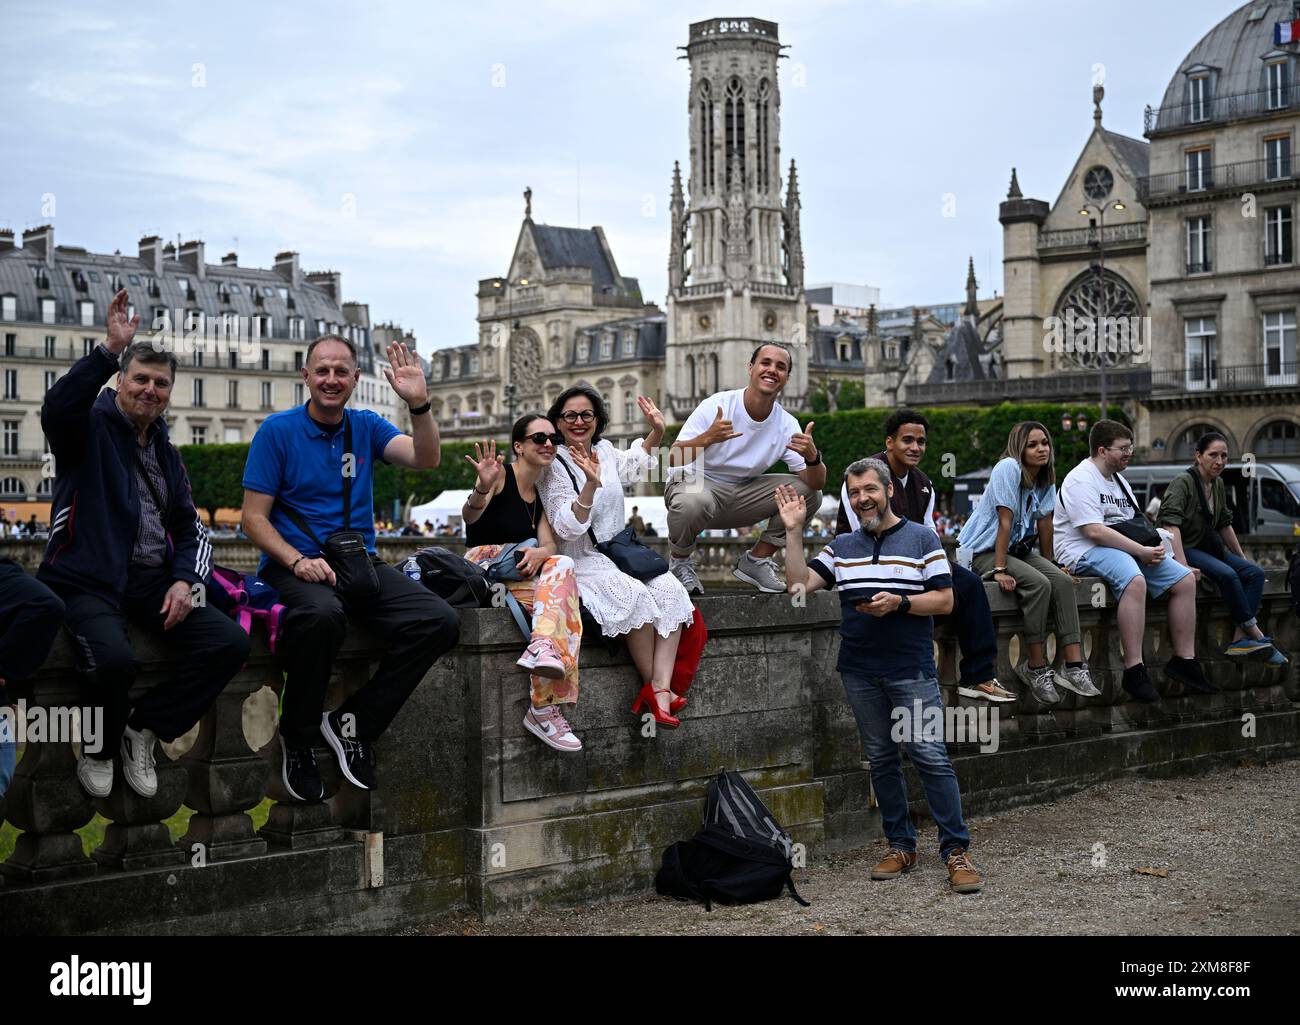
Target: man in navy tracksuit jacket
<point>127,546</point>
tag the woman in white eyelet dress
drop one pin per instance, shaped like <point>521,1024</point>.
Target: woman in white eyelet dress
<point>650,615</point>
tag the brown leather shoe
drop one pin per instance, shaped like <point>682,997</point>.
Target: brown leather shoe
<point>895,864</point>
<point>962,874</point>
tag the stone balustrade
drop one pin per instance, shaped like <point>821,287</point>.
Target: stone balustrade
<point>474,812</point>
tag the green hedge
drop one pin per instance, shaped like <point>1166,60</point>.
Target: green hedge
<point>217,471</point>
<point>974,437</point>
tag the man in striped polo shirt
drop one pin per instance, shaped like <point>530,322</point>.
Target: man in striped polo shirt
<point>892,576</point>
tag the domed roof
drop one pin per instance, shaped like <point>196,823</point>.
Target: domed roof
<point>1234,48</point>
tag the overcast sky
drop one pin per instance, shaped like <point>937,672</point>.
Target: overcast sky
<point>392,141</point>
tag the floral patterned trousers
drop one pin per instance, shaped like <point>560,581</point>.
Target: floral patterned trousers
<point>551,596</point>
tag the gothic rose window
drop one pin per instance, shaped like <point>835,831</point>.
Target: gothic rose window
<point>1079,315</point>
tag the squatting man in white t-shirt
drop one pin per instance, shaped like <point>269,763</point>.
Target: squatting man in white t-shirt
<point>1093,498</point>
<point>718,478</point>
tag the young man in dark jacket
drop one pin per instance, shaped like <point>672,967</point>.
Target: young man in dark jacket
<point>913,499</point>
<point>127,546</point>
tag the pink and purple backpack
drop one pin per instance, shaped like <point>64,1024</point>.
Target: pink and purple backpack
<point>244,597</point>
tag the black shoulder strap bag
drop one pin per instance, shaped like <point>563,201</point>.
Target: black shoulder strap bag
<point>623,549</point>
<point>344,550</point>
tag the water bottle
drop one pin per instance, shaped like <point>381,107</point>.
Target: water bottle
<point>412,569</point>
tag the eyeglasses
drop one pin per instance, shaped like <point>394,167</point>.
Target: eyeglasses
<point>1124,450</point>
<point>586,416</point>
<point>541,438</point>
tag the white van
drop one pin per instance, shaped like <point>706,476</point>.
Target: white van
<point>1267,500</point>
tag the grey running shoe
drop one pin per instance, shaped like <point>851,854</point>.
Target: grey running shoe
<point>1078,680</point>
<point>684,570</point>
<point>1039,682</point>
<point>759,572</point>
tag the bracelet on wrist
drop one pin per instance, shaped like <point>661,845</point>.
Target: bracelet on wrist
<point>478,492</point>
<point>814,462</point>
<point>294,565</point>
<point>580,504</point>
<point>421,410</point>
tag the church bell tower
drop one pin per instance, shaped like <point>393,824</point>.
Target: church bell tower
<point>735,269</point>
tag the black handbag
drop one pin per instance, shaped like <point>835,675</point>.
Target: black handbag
<point>344,550</point>
<point>623,549</point>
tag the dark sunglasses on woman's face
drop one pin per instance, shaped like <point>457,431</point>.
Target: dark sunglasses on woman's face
<point>541,438</point>
<point>586,416</point>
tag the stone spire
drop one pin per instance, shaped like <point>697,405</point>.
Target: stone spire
<point>528,203</point>
<point>1014,192</point>
<point>1098,94</point>
<point>972,308</point>
<point>793,242</point>
<point>677,242</point>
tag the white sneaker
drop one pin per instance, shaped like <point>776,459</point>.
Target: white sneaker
<point>759,572</point>
<point>549,725</point>
<point>95,775</point>
<point>137,761</point>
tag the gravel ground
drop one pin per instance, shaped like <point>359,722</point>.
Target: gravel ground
<point>1228,840</point>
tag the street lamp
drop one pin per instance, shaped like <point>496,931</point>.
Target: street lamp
<point>1087,211</point>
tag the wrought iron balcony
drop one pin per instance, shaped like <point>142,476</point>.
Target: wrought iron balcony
<point>1220,110</point>
<point>1249,377</point>
<point>1185,184</point>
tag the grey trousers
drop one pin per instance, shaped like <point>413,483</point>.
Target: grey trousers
<point>708,505</point>
<point>1041,587</point>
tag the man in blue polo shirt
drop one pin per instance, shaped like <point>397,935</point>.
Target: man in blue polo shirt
<point>294,498</point>
<point>892,576</point>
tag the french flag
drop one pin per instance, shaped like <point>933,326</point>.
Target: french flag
<point>1286,32</point>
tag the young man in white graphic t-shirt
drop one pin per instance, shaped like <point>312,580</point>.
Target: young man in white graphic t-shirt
<point>718,477</point>
<point>1093,499</point>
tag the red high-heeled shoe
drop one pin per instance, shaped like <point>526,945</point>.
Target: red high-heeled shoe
<point>647,698</point>
<point>676,704</point>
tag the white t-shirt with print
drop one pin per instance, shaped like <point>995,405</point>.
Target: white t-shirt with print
<point>1086,496</point>
<point>761,443</point>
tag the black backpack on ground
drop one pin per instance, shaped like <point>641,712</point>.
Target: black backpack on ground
<point>465,585</point>
<point>741,856</point>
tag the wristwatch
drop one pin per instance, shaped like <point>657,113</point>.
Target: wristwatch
<point>904,604</point>
<point>814,462</point>
<point>421,410</point>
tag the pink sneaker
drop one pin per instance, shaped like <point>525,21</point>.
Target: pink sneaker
<point>550,726</point>
<point>541,659</point>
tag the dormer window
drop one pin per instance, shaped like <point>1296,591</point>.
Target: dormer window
<point>1278,83</point>
<point>455,366</point>
<point>1200,93</point>
<point>584,348</point>
<point>9,307</point>
<point>473,364</point>
<point>47,311</point>
<point>437,370</point>
<point>606,346</point>
<point>86,311</point>
<point>629,343</point>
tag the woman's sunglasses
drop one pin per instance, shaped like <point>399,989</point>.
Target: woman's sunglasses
<point>541,438</point>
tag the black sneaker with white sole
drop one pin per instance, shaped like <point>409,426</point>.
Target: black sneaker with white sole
<point>352,753</point>
<point>300,773</point>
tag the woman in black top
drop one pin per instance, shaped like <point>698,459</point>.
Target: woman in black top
<point>504,508</point>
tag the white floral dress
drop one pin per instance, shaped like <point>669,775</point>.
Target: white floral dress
<point>618,602</point>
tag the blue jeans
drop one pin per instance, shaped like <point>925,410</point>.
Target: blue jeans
<point>873,699</point>
<point>1240,582</point>
<point>8,749</point>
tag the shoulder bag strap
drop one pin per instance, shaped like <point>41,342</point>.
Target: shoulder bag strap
<point>347,477</point>
<point>153,489</point>
<point>574,480</point>
<point>1129,495</point>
